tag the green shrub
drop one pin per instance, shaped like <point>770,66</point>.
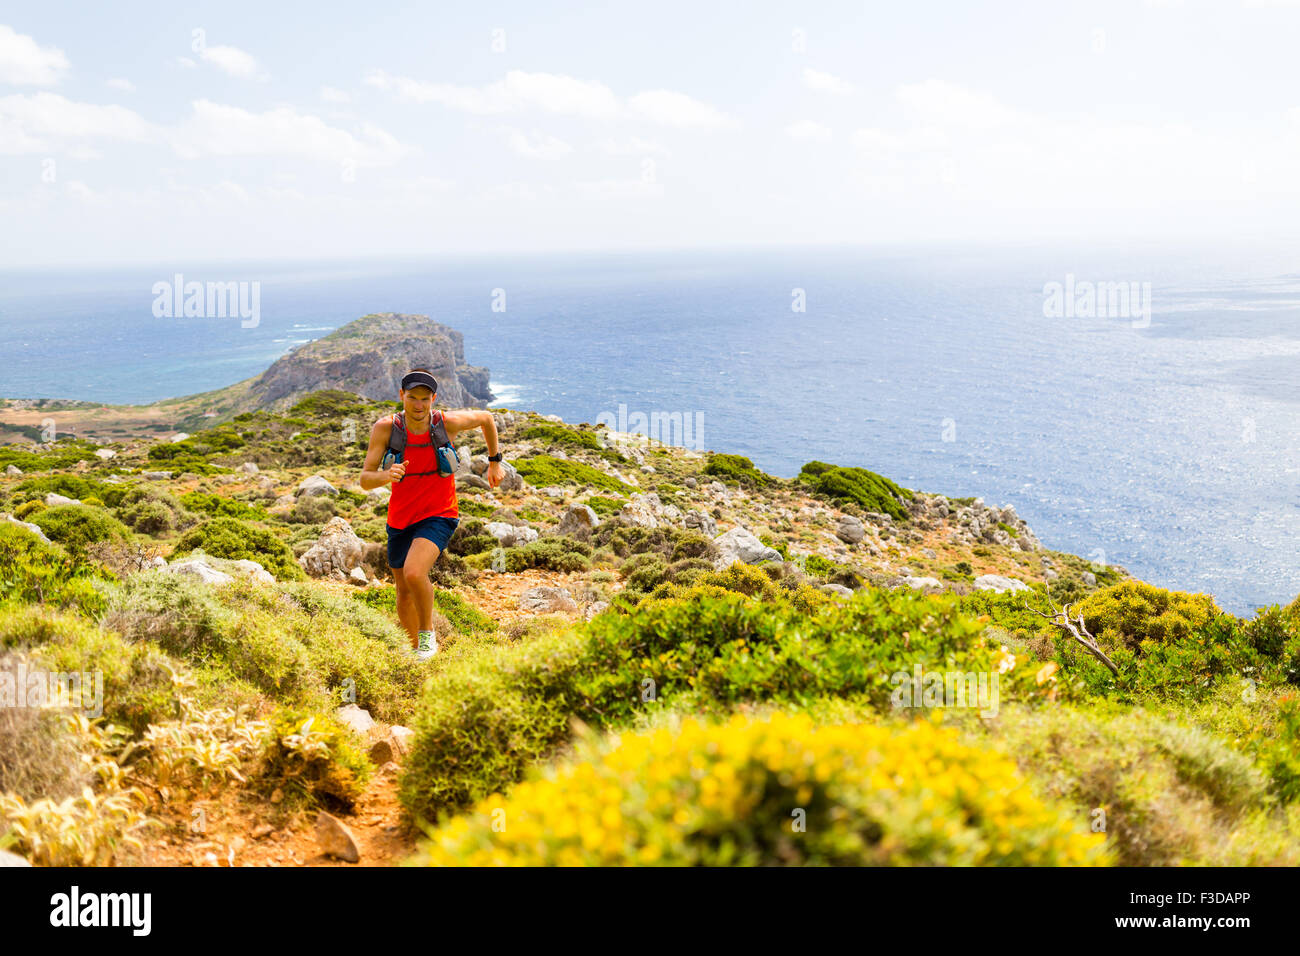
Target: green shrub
<point>70,486</point>
<point>868,490</point>
<point>692,794</point>
<point>312,760</point>
<point>551,554</point>
<point>1172,795</point>
<point>138,679</point>
<point>231,538</point>
<point>559,435</point>
<point>674,544</point>
<point>33,572</point>
<point>543,470</point>
<point>76,527</point>
<point>482,721</point>
<point>1136,615</point>
<point>216,506</point>
<point>604,507</point>
<point>28,508</point>
<point>736,468</point>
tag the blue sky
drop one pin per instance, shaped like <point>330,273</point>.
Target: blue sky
<point>142,132</point>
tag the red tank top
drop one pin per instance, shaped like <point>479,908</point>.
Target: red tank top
<point>418,496</point>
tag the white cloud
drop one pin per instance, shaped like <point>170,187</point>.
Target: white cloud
<point>825,83</point>
<point>607,190</point>
<point>809,131</point>
<point>518,90</point>
<point>539,146</point>
<point>947,105</point>
<point>79,190</point>
<point>669,108</point>
<point>331,95</point>
<point>41,122</point>
<point>217,129</point>
<point>635,146</point>
<point>232,60</point>
<point>553,93</point>
<point>511,192</point>
<point>121,83</point>
<point>24,62</point>
<point>186,62</point>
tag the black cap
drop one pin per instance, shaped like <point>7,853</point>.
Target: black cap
<point>412,379</point>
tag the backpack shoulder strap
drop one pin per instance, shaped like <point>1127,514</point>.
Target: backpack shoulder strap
<point>397,437</point>
<point>438,430</point>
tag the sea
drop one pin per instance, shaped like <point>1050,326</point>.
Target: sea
<point>1137,406</point>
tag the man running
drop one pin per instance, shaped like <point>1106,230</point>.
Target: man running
<point>422,512</point>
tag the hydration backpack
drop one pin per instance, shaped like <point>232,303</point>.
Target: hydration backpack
<point>446,452</point>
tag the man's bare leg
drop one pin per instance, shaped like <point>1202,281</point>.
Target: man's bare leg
<point>415,572</point>
<point>407,613</point>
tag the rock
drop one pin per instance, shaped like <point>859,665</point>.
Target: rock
<point>479,464</point>
<point>315,486</point>
<point>509,535</point>
<point>262,831</point>
<point>356,718</point>
<point>13,470</point>
<point>381,752</point>
<point>740,544</point>
<point>511,480</point>
<point>849,530</point>
<point>379,495</point>
<point>578,520</point>
<point>335,839</point>
<point>358,576</point>
<point>838,590</point>
<point>594,608</point>
<point>1089,579</point>
<point>52,500</point>
<point>920,583</point>
<point>701,521</point>
<point>105,453</point>
<point>401,738</point>
<point>33,528</point>
<point>12,859</point>
<point>471,481</point>
<point>337,549</point>
<point>998,583</point>
<point>930,553</point>
<point>254,571</point>
<point>547,600</point>
<point>554,491</point>
<point>642,511</point>
<point>180,436</point>
<point>197,567</point>
<point>157,475</point>
<point>691,482</point>
<point>249,468</point>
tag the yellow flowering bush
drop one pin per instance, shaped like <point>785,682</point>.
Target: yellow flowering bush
<point>776,791</point>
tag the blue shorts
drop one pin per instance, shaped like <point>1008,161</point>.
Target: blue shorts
<point>437,529</point>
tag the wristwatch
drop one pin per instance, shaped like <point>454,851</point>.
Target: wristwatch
<point>496,457</point>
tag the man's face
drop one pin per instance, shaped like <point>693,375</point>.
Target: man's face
<point>417,402</point>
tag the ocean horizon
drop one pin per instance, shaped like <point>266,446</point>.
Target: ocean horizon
<point>1159,436</point>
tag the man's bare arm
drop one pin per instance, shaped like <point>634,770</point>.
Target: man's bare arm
<point>371,474</point>
<point>467,418</point>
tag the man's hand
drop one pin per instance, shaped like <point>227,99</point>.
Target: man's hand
<point>495,473</point>
<point>396,470</point>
